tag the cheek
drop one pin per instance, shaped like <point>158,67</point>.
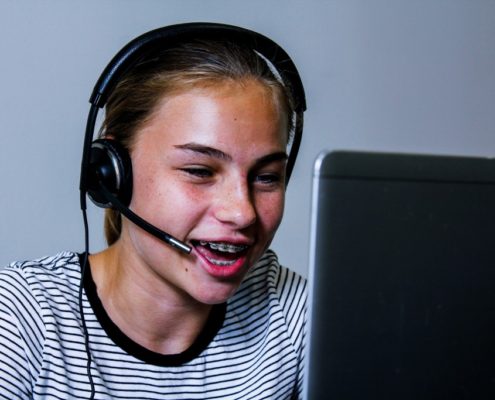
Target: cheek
<point>163,201</point>
<point>270,212</point>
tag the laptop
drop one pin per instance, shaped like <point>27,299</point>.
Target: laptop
<point>402,277</point>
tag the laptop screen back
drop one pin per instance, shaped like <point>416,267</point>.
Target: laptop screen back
<point>402,278</point>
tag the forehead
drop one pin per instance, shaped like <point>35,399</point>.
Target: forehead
<point>239,89</point>
<point>247,112</point>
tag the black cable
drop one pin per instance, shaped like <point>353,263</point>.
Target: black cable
<point>81,308</point>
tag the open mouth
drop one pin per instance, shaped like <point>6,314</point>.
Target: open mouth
<point>222,254</point>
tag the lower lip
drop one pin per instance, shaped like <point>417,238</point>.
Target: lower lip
<point>226,271</point>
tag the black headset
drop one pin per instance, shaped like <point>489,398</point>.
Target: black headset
<point>106,169</point>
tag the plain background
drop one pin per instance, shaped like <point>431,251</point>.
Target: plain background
<point>406,76</point>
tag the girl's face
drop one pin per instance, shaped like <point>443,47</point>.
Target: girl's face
<point>209,168</point>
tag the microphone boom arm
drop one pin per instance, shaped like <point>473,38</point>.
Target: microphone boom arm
<point>137,220</point>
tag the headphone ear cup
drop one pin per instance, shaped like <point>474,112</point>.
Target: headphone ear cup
<point>109,166</point>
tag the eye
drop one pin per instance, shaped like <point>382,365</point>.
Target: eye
<point>268,180</point>
<point>198,172</point>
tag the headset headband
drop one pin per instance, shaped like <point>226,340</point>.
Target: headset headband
<point>168,36</point>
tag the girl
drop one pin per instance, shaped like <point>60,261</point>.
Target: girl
<point>206,123</point>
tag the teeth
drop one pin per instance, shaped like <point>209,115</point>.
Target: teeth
<point>224,247</point>
<point>221,263</point>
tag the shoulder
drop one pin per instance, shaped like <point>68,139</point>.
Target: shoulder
<point>47,263</point>
<point>276,290</point>
<point>266,318</point>
<point>33,292</point>
<point>62,266</point>
<point>289,290</point>
<point>26,284</point>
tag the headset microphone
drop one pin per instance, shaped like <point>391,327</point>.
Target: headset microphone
<point>137,220</point>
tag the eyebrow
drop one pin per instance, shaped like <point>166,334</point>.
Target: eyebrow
<point>206,150</point>
<point>274,157</point>
<point>216,153</point>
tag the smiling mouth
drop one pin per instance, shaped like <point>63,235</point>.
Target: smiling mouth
<point>222,254</point>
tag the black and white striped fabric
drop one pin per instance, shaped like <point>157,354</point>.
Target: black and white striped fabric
<point>252,349</point>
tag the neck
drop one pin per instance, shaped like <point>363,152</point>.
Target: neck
<point>149,310</point>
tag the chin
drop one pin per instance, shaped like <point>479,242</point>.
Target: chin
<point>216,294</point>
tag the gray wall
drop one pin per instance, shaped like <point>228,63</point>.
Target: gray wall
<point>413,76</point>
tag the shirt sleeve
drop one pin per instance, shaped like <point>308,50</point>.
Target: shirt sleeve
<point>20,336</point>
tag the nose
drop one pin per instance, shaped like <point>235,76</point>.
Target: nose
<point>235,206</point>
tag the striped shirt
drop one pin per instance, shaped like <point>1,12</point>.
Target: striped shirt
<point>250,348</point>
